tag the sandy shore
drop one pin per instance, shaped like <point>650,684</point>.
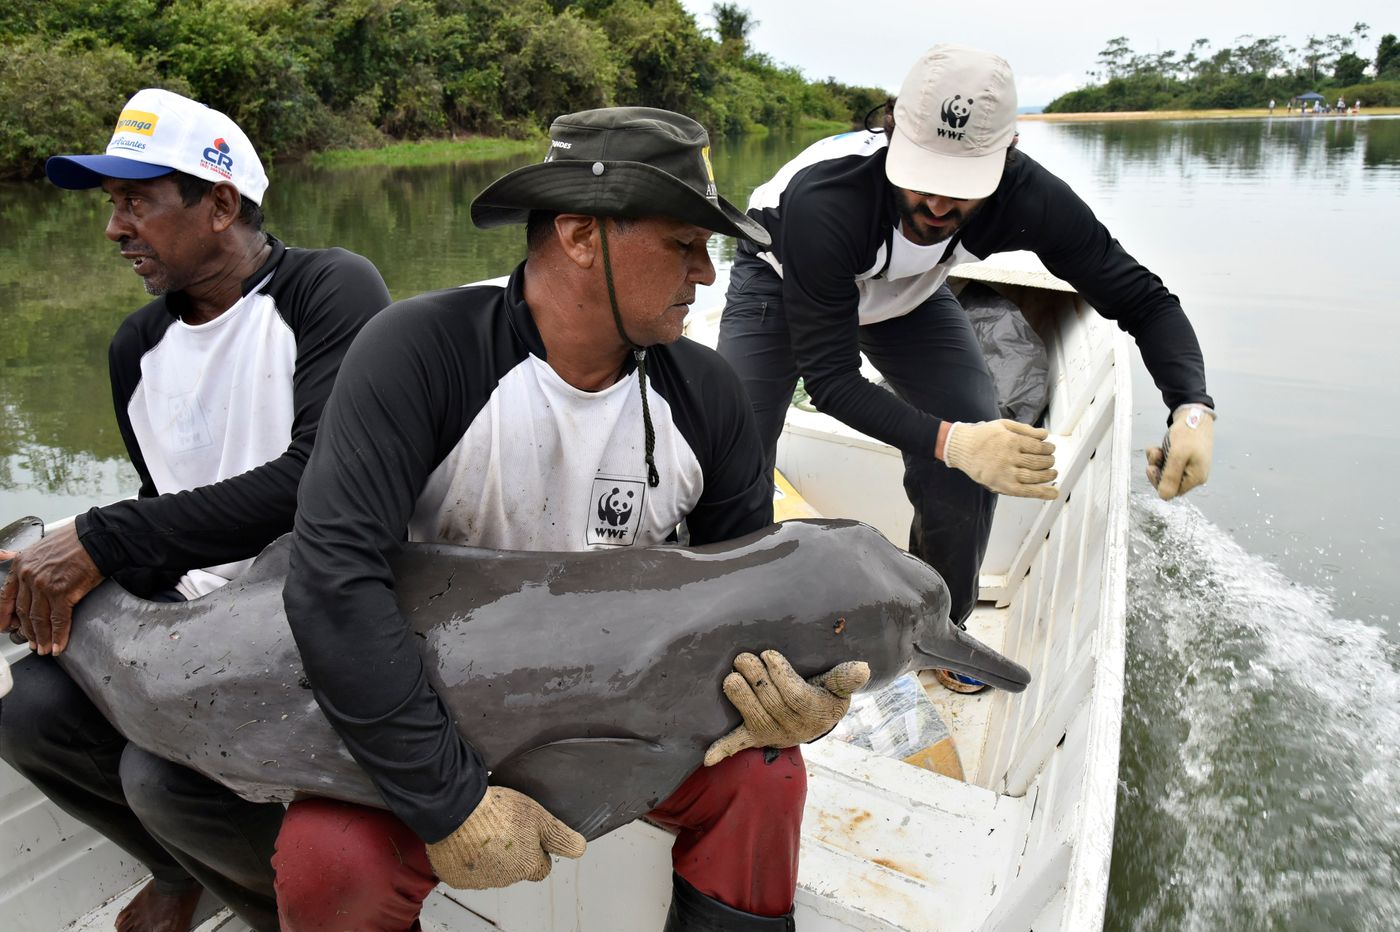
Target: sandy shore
<point>1255,114</point>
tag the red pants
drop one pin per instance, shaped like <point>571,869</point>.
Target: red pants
<point>346,867</point>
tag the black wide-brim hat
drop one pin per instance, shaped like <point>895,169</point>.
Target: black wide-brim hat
<point>619,162</point>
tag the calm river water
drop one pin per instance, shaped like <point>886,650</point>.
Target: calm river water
<point>1261,753</point>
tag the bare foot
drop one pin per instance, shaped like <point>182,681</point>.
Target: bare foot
<point>150,911</point>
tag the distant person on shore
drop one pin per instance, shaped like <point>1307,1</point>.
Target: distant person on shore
<point>219,384</point>
<point>865,228</point>
<point>1271,106</point>
<point>1290,105</point>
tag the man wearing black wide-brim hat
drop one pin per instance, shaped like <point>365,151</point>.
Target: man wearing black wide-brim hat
<point>560,412</point>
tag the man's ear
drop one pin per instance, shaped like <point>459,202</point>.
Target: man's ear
<point>578,238</point>
<point>225,206</point>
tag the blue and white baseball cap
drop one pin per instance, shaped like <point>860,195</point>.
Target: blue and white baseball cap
<point>159,132</point>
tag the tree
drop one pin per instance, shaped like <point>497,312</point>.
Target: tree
<point>1349,69</point>
<point>1116,58</point>
<point>1314,55</point>
<point>733,22</point>
<point>1388,57</point>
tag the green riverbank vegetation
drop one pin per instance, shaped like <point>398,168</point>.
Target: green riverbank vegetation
<point>1246,75</point>
<point>308,76</point>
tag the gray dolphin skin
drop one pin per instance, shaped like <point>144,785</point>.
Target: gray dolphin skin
<point>590,681</point>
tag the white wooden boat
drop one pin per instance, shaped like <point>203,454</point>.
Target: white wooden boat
<point>1023,844</point>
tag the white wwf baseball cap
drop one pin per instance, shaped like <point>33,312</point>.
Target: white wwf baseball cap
<point>159,132</point>
<point>954,119</point>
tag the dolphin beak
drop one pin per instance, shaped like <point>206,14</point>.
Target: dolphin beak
<point>960,652</point>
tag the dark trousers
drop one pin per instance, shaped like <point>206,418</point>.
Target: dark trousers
<point>930,357</point>
<point>185,828</point>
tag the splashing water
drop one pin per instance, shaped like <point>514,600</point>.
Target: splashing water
<point>1260,777</point>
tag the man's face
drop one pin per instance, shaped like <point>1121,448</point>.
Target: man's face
<point>927,219</point>
<point>657,262</point>
<point>162,238</point>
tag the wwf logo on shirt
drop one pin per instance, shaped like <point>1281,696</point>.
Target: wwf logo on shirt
<point>955,113</point>
<point>616,511</point>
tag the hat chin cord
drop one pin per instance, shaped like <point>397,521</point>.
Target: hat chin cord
<point>638,352</point>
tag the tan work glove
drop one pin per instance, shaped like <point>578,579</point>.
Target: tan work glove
<point>1182,462</point>
<point>507,838</point>
<point>1005,456</point>
<point>780,708</point>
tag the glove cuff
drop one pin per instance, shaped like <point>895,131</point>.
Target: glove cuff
<point>454,859</point>
<point>957,445</point>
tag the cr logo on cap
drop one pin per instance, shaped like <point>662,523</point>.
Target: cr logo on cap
<point>218,158</point>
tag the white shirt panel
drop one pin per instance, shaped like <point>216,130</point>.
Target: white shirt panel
<point>913,276</point>
<point>214,401</point>
<point>571,462</point>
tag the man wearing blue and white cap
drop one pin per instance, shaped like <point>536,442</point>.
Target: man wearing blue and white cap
<point>219,383</point>
<point>865,228</point>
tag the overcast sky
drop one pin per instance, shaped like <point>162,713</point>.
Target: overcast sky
<point>1049,43</point>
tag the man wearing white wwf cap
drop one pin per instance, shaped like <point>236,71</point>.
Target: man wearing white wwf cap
<point>219,384</point>
<point>865,228</point>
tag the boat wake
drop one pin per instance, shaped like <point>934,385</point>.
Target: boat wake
<point>1260,777</point>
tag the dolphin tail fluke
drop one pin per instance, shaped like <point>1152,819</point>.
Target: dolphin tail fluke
<point>962,653</point>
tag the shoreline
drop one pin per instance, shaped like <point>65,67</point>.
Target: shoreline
<point>418,152</point>
<point>423,152</point>
<point>1257,113</point>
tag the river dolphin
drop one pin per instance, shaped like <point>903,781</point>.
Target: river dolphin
<point>589,681</point>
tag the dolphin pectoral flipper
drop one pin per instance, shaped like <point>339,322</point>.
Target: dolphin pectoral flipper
<point>960,652</point>
<point>17,535</point>
<point>606,782</point>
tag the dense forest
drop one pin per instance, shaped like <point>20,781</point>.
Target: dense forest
<point>307,75</point>
<point>1248,74</point>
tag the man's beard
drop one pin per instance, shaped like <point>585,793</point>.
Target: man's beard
<point>918,228</point>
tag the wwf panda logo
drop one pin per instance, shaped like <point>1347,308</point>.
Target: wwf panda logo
<point>956,111</point>
<point>615,507</point>
<point>616,512</point>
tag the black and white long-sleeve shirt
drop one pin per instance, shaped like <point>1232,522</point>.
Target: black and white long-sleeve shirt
<point>448,424</point>
<point>219,418</point>
<point>834,221</point>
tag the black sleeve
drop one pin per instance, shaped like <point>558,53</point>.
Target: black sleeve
<point>1048,218</point>
<point>821,260</point>
<point>381,437</point>
<point>738,495</point>
<point>326,305</point>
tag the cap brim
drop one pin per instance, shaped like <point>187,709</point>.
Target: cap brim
<point>76,172</point>
<point>624,189</point>
<point>916,169</point>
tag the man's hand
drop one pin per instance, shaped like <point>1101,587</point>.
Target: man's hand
<point>1182,462</point>
<point>781,709</point>
<point>45,582</point>
<point>507,838</point>
<point>1005,456</point>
